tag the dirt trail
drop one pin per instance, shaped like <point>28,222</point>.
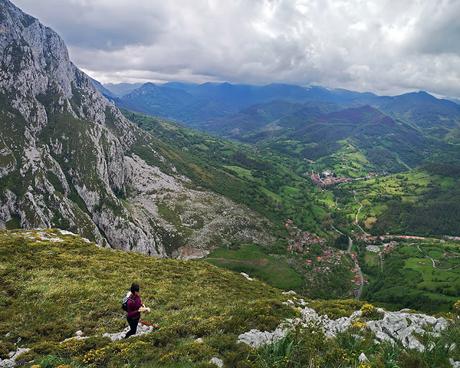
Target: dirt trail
<point>427,256</point>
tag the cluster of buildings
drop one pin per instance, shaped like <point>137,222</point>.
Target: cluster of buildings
<point>327,178</point>
<point>385,248</point>
<point>300,240</point>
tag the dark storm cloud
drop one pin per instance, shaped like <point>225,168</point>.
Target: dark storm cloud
<point>387,46</point>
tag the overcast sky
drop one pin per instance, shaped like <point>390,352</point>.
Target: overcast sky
<point>385,46</point>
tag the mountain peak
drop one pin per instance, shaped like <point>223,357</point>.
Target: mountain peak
<point>68,155</point>
<point>421,95</point>
<point>149,85</point>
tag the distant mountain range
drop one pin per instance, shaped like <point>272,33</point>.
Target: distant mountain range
<point>393,133</point>
<point>210,106</point>
<point>121,89</point>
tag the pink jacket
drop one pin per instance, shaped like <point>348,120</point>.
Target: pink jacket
<point>134,303</point>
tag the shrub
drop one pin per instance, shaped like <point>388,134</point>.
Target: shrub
<point>358,325</point>
<point>51,361</point>
<point>369,312</point>
<point>304,348</point>
<point>45,347</point>
<point>74,347</point>
<point>97,357</point>
<point>456,307</point>
<point>5,348</point>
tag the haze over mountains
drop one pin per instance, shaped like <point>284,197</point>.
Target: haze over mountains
<point>417,122</point>
<point>197,104</point>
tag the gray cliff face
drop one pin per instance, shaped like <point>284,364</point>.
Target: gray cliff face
<point>67,158</point>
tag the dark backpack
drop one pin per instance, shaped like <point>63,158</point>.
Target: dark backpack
<point>124,303</point>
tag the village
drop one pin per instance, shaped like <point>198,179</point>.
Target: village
<point>322,259</point>
<point>327,178</point>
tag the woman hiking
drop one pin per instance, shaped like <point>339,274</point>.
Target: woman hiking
<point>134,303</point>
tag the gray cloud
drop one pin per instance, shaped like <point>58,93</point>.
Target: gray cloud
<point>386,46</point>
<point>441,28</point>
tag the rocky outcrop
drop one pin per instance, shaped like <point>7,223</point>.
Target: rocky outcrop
<point>12,359</point>
<point>142,329</point>
<point>402,327</point>
<point>67,159</point>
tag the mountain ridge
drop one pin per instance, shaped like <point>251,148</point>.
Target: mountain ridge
<point>69,158</point>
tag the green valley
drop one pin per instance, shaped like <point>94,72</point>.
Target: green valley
<point>413,273</point>
<point>263,224</point>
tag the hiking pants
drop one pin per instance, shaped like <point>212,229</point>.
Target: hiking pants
<point>133,322</point>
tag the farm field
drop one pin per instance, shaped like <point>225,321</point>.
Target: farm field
<point>252,260</point>
<point>318,272</point>
<point>416,202</point>
<point>423,275</point>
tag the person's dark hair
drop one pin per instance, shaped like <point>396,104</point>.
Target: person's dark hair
<point>134,287</point>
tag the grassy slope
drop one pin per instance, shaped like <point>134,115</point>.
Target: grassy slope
<point>252,260</point>
<point>50,290</point>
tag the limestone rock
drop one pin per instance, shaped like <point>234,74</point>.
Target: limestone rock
<point>362,358</point>
<point>217,362</point>
<point>141,330</point>
<point>69,153</point>
<point>256,338</point>
<point>13,356</point>
<point>399,326</point>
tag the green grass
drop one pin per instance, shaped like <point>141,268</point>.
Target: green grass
<point>413,202</point>
<point>371,259</point>
<point>253,261</point>
<point>408,278</point>
<point>240,171</point>
<point>348,161</point>
<point>50,290</point>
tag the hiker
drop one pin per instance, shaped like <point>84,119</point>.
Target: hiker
<point>133,307</point>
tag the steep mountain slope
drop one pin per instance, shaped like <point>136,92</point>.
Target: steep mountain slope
<point>61,296</point>
<point>69,158</point>
<point>104,91</point>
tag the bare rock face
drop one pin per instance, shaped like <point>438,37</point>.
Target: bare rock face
<point>67,159</point>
